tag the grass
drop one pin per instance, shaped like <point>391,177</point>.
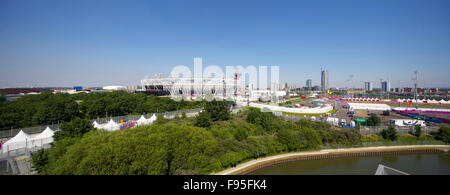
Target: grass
<point>296,101</point>
<point>400,138</point>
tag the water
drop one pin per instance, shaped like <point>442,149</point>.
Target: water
<point>414,164</point>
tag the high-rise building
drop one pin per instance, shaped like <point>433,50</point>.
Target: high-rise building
<point>274,86</point>
<point>284,86</point>
<point>309,84</point>
<point>368,86</point>
<point>324,80</point>
<point>386,86</point>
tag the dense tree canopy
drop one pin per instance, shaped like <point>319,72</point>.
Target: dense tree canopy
<point>178,147</point>
<point>48,108</point>
<point>166,149</point>
<point>444,134</point>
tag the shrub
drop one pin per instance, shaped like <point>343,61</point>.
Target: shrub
<point>203,120</point>
<point>444,134</point>
<point>418,131</point>
<point>389,133</point>
<point>373,120</point>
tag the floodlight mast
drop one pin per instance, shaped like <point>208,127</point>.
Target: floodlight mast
<point>416,72</point>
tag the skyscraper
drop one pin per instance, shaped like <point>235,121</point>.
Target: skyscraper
<point>368,86</point>
<point>386,86</point>
<point>309,84</point>
<point>324,80</point>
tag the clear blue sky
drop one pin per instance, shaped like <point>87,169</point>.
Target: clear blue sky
<point>114,42</point>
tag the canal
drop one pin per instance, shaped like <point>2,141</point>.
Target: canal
<point>414,164</point>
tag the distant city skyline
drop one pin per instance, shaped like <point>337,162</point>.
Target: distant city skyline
<point>51,43</point>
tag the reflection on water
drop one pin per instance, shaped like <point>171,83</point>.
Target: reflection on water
<point>425,163</point>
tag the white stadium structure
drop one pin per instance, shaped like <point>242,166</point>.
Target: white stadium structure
<point>193,87</point>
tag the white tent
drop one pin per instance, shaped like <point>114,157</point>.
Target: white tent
<point>152,119</point>
<point>367,106</point>
<point>96,125</point>
<point>143,121</point>
<point>20,141</point>
<point>45,137</point>
<point>111,126</point>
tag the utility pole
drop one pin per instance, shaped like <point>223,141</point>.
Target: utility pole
<point>416,72</point>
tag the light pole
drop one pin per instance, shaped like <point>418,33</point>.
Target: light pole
<point>416,72</point>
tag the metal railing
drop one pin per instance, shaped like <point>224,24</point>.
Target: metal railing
<point>365,130</point>
<point>38,129</point>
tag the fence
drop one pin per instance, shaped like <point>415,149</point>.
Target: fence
<point>29,130</point>
<point>382,143</point>
<point>33,130</point>
<point>400,130</point>
<point>21,148</point>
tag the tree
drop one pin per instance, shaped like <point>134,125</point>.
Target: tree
<point>160,120</point>
<point>389,133</point>
<point>373,120</point>
<point>418,130</point>
<point>264,119</point>
<point>2,98</point>
<point>75,128</point>
<point>218,110</point>
<point>444,134</point>
<point>203,120</point>
<point>147,150</point>
<point>40,160</point>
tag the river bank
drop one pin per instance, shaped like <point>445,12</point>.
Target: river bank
<point>330,153</point>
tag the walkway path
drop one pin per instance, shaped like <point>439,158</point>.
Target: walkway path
<point>251,163</point>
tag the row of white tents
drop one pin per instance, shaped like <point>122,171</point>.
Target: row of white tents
<point>366,106</point>
<point>363,99</point>
<point>398,100</point>
<point>442,101</point>
<point>23,140</point>
<point>113,126</point>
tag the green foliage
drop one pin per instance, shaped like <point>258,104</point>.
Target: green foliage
<point>418,130</point>
<point>444,134</point>
<point>2,98</point>
<point>160,120</point>
<point>165,149</point>
<point>75,128</point>
<point>218,110</point>
<point>373,120</point>
<point>389,134</point>
<point>47,108</point>
<point>183,115</point>
<point>263,119</point>
<point>371,138</point>
<point>175,147</point>
<point>40,160</point>
<point>203,120</point>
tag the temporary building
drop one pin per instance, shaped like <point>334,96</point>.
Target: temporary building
<point>20,141</point>
<point>43,138</point>
<point>143,121</point>
<point>152,119</point>
<point>367,106</point>
<point>111,126</point>
<point>96,125</point>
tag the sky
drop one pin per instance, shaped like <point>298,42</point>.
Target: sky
<point>113,42</point>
